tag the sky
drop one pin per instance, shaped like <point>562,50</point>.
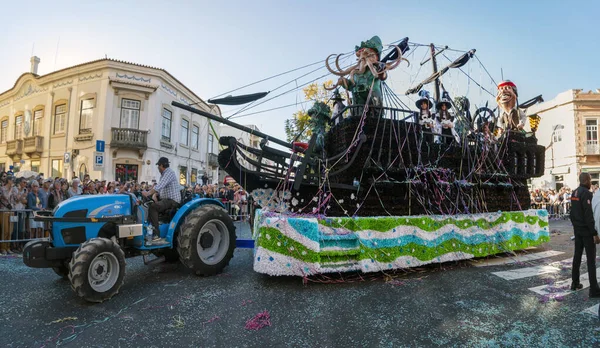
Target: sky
<point>545,47</point>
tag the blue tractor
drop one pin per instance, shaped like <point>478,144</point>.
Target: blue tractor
<point>91,236</point>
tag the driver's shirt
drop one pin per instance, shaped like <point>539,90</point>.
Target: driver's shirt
<point>168,187</point>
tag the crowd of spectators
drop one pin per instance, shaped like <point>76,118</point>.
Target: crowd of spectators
<point>558,203</point>
<point>19,196</point>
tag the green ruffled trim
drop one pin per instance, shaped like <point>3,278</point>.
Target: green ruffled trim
<point>425,223</point>
<point>421,252</point>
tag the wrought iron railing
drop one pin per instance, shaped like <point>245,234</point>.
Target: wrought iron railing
<point>213,160</point>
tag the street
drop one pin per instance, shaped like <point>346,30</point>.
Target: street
<point>452,304</point>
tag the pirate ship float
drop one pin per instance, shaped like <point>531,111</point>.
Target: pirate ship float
<point>381,186</point>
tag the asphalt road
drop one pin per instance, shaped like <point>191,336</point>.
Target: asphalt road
<point>452,304</point>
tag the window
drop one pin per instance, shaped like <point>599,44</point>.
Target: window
<point>185,129</point>
<point>559,180</point>
<point>4,132</point>
<point>35,166</point>
<point>86,111</point>
<point>183,175</point>
<point>595,178</point>
<point>194,177</point>
<point>557,133</point>
<point>82,171</point>
<point>19,127</point>
<point>210,143</point>
<point>126,172</point>
<point>2,167</point>
<point>166,125</point>
<point>195,136</point>
<point>57,168</point>
<point>591,134</point>
<point>37,122</point>
<point>130,113</point>
<point>60,112</point>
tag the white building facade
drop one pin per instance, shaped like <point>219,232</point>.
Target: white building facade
<point>51,123</point>
<point>569,130</point>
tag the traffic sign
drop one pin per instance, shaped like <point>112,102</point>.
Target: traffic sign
<point>98,160</point>
<point>100,145</point>
<point>67,157</point>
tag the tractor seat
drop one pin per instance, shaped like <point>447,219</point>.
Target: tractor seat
<point>168,215</point>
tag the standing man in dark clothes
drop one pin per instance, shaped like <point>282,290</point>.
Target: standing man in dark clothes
<point>586,236</point>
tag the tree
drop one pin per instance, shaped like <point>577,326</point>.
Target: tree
<point>300,121</point>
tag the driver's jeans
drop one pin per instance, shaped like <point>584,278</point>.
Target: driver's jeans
<point>159,207</point>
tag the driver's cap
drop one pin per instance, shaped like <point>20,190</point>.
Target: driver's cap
<point>162,160</point>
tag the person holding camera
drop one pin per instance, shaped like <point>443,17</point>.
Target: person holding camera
<point>8,194</point>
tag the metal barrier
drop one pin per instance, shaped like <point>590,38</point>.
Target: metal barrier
<point>240,211</point>
<point>17,228</point>
<point>560,210</point>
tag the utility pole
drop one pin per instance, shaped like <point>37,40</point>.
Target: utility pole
<point>436,91</point>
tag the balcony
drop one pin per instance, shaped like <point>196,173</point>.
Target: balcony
<point>592,147</point>
<point>33,146</point>
<point>127,138</point>
<point>213,160</point>
<point>14,149</point>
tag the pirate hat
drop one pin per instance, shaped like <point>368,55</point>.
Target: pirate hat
<point>443,101</point>
<point>424,97</point>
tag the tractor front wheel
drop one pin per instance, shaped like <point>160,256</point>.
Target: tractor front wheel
<point>97,269</point>
<point>206,240</point>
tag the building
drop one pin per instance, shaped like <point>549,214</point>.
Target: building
<point>569,130</point>
<point>51,123</point>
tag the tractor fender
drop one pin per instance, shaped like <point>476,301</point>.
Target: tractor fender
<point>185,209</point>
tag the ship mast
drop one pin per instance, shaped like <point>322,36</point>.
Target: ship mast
<point>436,91</point>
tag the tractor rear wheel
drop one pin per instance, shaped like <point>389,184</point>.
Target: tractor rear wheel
<point>97,269</point>
<point>206,240</point>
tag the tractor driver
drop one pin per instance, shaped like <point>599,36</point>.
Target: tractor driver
<point>168,190</point>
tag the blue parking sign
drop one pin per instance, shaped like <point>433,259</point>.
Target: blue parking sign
<point>100,145</point>
<point>98,160</point>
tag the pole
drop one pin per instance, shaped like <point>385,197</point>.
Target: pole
<point>232,124</point>
<point>436,91</point>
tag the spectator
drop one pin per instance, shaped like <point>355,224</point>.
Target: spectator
<point>8,194</point>
<point>204,179</point>
<point>44,192</point>
<point>34,202</point>
<point>74,190</point>
<point>56,195</point>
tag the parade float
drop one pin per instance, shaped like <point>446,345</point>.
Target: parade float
<point>381,185</point>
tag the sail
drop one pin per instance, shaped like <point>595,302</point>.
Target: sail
<point>460,62</point>
<point>238,100</point>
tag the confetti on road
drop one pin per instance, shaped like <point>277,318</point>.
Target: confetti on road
<point>259,321</point>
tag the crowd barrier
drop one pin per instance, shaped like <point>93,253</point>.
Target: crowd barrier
<point>555,211</point>
<point>241,211</point>
<point>17,228</point>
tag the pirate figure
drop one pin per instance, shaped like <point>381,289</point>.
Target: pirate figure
<point>320,114</point>
<point>426,118</point>
<point>446,120</point>
<point>511,118</point>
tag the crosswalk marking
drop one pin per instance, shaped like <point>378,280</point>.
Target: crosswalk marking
<point>593,310</point>
<point>515,259</point>
<point>562,288</point>
<point>527,272</point>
